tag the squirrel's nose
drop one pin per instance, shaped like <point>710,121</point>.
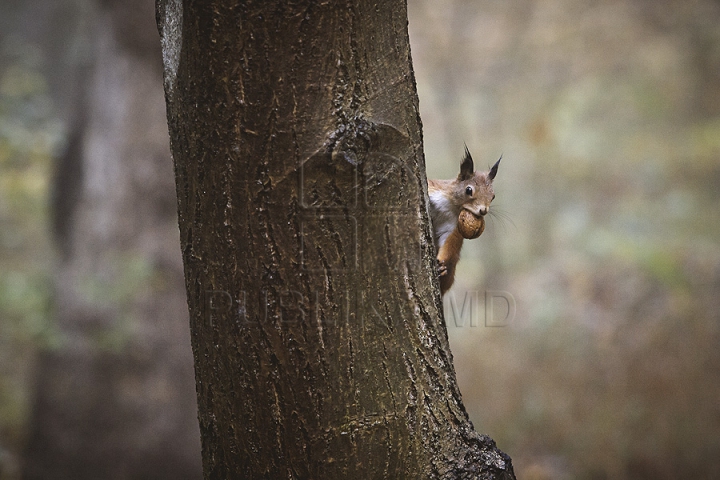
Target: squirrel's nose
<point>482,210</point>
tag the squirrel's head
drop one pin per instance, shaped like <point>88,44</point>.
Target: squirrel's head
<point>474,190</point>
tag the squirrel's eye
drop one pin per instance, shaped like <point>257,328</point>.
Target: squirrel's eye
<point>469,190</point>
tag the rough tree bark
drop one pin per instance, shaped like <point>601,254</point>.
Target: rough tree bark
<point>316,322</point>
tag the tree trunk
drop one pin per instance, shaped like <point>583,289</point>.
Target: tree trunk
<point>115,394</point>
<point>316,322</point>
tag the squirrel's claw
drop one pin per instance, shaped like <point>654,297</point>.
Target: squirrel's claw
<point>442,268</point>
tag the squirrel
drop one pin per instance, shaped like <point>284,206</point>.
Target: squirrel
<point>470,192</point>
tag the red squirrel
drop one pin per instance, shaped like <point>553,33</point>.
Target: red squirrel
<point>471,191</point>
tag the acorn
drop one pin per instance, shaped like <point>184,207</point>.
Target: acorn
<point>469,225</point>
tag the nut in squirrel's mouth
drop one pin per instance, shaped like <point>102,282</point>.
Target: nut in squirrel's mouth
<point>477,214</point>
<point>469,225</point>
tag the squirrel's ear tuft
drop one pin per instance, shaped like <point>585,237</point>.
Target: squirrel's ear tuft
<point>467,168</point>
<point>493,170</point>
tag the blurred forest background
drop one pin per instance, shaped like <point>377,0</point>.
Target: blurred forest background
<point>607,114</point>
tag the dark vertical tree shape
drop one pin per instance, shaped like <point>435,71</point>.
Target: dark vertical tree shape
<point>316,323</point>
<point>114,397</point>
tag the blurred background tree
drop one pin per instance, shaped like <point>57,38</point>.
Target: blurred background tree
<point>98,379</point>
<point>608,115</point>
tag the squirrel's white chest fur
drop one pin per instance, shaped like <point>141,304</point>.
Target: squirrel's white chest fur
<point>444,216</point>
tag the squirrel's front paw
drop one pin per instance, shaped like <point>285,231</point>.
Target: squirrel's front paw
<point>442,268</point>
